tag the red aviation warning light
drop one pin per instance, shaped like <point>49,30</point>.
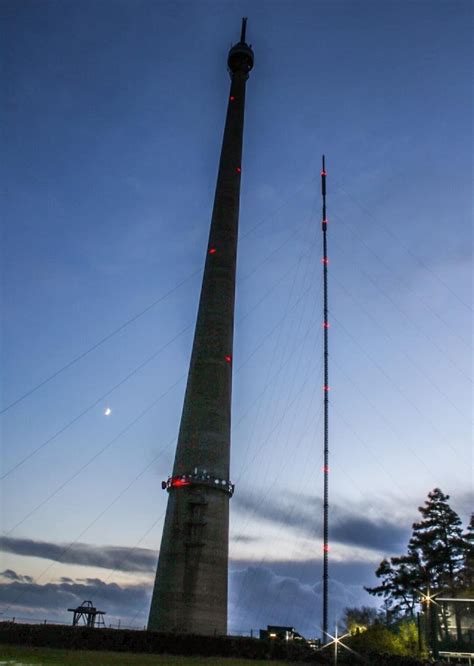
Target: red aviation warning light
<point>212,250</point>
<point>326,548</point>
<point>177,482</point>
<point>326,324</point>
<point>326,388</point>
<point>228,358</point>
<point>238,169</point>
<point>232,98</point>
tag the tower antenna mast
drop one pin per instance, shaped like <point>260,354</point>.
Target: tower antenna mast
<point>324,225</point>
<point>191,584</point>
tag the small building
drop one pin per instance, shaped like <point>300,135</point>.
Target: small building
<point>455,629</point>
<point>280,633</point>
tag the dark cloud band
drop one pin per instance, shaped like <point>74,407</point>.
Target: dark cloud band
<point>348,527</point>
<point>107,557</point>
<point>258,595</point>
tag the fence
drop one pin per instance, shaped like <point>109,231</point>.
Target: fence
<point>247,633</point>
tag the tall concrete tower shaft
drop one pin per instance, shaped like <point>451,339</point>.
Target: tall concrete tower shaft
<point>190,593</point>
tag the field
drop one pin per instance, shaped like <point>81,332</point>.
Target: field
<point>20,656</point>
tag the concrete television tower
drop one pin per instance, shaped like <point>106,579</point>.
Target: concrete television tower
<point>190,593</point>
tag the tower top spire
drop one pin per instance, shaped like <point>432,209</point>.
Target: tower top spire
<point>241,55</point>
<point>243,30</point>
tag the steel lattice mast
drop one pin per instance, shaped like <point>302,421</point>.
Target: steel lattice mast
<point>190,592</point>
<point>324,225</point>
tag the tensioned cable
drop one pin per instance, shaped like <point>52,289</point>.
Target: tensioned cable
<point>141,473</point>
<point>93,404</point>
<point>291,511</point>
<point>146,362</point>
<point>365,445</point>
<point>395,340</point>
<point>275,426</point>
<point>372,453</point>
<point>391,427</point>
<point>407,249</point>
<point>399,390</point>
<point>124,430</point>
<point>284,362</point>
<point>300,347</point>
<point>78,358</point>
<point>108,506</point>
<point>405,283</point>
<point>97,518</point>
<point>96,455</point>
<point>411,321</point>
<point>289,393</point>
<point>277,343</point>
<point>263,497</point>
<point>139,314</point>
<point>142,609</point>
<point>268,491</point>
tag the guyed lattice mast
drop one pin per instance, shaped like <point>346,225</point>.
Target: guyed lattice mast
<point>325,260</point>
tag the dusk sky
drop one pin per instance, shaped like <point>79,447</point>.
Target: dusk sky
<point>113,113</point>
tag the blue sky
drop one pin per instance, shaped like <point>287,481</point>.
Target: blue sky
<point>114,114</point>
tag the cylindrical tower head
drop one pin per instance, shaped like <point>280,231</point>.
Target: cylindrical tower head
<point>240,57</point>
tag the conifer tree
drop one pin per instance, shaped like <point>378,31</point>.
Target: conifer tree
<point>438,543</point>
<point>440,558</point>
<point>468,568</point>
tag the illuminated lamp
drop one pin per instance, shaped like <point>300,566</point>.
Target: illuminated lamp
<point>178,483</point>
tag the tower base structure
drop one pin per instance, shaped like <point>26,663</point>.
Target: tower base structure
<point>191,581</point>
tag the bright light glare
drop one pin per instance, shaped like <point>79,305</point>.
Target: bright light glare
<point>107,411</point>
<point>428,598</point>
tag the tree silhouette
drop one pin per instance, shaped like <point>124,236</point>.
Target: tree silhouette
<point>438,543</point>
<point>439,559</point>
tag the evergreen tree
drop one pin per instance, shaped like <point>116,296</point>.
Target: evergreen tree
<point>399,588</point>
<point>440,558</point>
<point>468,568</point>
<point>438,543</point>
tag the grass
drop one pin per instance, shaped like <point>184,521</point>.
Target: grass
<point>11,654</point>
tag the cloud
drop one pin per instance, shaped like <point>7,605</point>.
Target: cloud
<point>51,601</point>
<point>259,594</point>
<point>350,527</point>
<point>107,557</point>
<point>9,574</point>
<point>245,538</point>
<point>378,534</point>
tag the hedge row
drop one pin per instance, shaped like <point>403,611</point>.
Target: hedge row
<point>126,640</point>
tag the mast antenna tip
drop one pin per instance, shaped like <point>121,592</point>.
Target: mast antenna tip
<point>244,29</point>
